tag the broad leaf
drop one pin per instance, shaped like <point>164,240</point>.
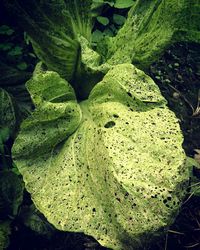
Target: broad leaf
<point>111,166</point>
<point>53,28</point>
<point>151,27</point>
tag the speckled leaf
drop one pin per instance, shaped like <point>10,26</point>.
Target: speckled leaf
<point>119,176</point>
<point>56,117</point>
<point>151,27</point>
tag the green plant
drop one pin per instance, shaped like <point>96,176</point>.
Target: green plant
<point>102,144</point>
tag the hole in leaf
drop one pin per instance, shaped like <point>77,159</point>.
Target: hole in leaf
<point>109,124</point>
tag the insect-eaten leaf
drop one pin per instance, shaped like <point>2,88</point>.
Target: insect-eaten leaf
<point>111,166</point>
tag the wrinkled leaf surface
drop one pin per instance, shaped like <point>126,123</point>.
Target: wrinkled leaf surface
<point>111,166</point>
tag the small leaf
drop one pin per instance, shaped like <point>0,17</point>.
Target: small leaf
<point>33,219</point>
<point>6,30</point>
<point>197,155</point>
<point>16,51</point>
<point>5,46</point>
<point>121,4</point>
<point>103,20</point>
<point>108,32</point>
<point>4,234</point>
<point>4,134</point>
<point>191,162</point>
<point>113,28</point>
<point>119,19</point>
<point>32,55</point>
<point>22,66</point>
<point>15,169</point>
<point>97,35</point>
<point>111,3</point>
<point>11,193</point>
<point>10,32</point>
<point>7,113</point>
<point>26,38</point>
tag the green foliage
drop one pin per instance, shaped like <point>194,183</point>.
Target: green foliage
<point>151,28</point>
<point>59,156</point>
<point>119,19</point>
<point>194,180</point>
<point>16,51</point>
<point>114,158</point>
<point>54,33</point>
<point>7,113</point>
<point>110,25</point>
<point>7,124</point>
<point>103,20</point>
<point>15,60</point>
<point>4,234</point>
<point>11,194</point>
<point>6,30</point>
<point>5,46</point>
<point>22,66</point>
<point>33,219</point>
<point>120,4</point>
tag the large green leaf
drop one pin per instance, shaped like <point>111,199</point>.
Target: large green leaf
<point>115,170</point>
<point>151,27</point>
<point>53,27</point>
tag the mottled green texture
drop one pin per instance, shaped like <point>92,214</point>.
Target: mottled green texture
<point>7,112</point>
<point>4,234</point>
<point>11,194</point>
<point>152,26</point>
<point>116,168</point>
<point>57,115</point>
<point>53,27</point>
<point>92,70</point>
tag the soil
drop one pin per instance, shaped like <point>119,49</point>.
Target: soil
<point>177,74</point>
